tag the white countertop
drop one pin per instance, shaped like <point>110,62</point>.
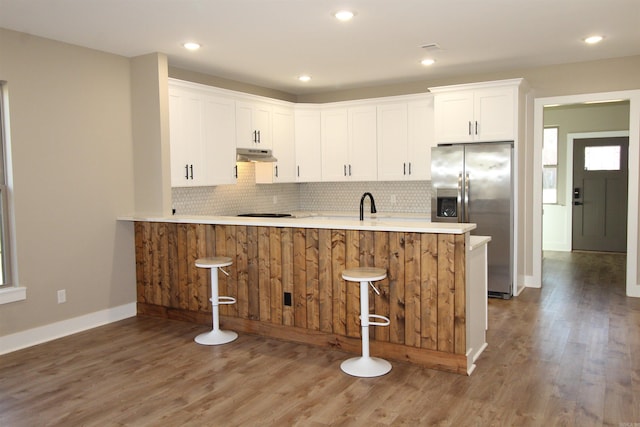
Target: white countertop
<point>344,220</point>
<point>476,242</point>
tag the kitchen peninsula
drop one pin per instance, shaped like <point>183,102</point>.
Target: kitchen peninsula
<point>286,278</point>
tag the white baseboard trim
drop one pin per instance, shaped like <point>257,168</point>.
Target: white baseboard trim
<point>41,334</point>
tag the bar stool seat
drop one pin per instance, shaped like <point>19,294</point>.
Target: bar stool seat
<point>366,366</point>
<point>216,336</point>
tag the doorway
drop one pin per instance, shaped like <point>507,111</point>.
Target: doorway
<point>633,258</point>
<point>600,173</point>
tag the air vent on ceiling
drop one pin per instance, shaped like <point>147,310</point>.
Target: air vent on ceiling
<point>431,46</point>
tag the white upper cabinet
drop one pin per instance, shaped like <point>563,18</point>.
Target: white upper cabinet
<point>392,142</point>
<point>334,135</point>
<point>308,144</point>
<point>283,142</point>
<point>363,150</point>
<point>476,112</point>
<point>202,137</point>
<point>349,143</point>
<point>253,124</point>
<point>421,137</point>
<point>405,138</point>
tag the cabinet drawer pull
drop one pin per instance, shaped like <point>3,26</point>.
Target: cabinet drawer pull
<point>409,168</point>
<point>276,171</point>
<point>476,127</point>
<point>345,169</point>
<point>191,170</point>
<point>186,171</point>
<point>469,127</point>
<point>349,170</point>
<point>404,168</point>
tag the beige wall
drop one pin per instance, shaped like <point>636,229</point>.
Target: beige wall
<point>73,175</point>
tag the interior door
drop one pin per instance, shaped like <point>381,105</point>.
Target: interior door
<point>600,176</point>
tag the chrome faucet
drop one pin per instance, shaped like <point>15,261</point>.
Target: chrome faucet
<point>373,205</point>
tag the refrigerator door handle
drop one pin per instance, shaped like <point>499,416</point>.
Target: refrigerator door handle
<point>466,198</point>
<point>459,208</point>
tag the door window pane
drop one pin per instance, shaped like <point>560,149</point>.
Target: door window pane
<point>602,158</point>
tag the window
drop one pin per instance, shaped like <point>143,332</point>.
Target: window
<point>602,158</point>
<point>550,165</point>
<point>5,247</point>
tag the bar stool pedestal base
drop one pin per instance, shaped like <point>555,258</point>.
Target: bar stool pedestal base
<point>216,337</point>
<point>365,367</point>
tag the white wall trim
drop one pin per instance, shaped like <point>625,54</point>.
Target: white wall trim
<point>41,334</point>
<point>632,286</point>
<point>12,294</point>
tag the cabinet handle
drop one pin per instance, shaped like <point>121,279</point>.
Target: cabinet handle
<point>349,170</point>
<point>404,168</point>
<point>258,137</point>
<point>345,169</point>
<point>409,168</point>
<point>469,127</point>
<point>235,171</point>
<point>276,171</point>
<point>298,171</point>
<point>255,137</point>
<point>186,171</point>
<point>191,170</point>
<point>476,127</point>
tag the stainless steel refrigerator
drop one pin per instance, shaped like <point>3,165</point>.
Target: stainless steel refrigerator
<point>474,183</point>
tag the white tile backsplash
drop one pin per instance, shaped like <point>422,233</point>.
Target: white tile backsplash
<point>247,196</point>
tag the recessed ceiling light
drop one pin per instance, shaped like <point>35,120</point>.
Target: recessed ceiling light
<point>593,39</point>
<point>428,61</point>
<point>191,46</point>
<point>304,78</point>
<point>344,15</point>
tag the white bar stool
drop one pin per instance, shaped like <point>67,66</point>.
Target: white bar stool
<point>366,366</point>
<point>216,336</point>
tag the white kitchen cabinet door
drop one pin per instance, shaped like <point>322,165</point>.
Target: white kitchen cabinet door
<point>283,149</point>
<point>202,138</point>
<point>454,116</point>
<point>335,144</point>
<point>405,138</point>
<point>308,145</point>
<point>253,125</point>
<point>392,142</point>
<point>219,148</point>
<point>185,135</point>
<point>494,112</point>
<point>420,138</point>
<point>363,159</point>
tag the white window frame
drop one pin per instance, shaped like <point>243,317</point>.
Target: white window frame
<point>9,289</point>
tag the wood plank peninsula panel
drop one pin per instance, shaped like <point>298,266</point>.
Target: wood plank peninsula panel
<point>423,295</point>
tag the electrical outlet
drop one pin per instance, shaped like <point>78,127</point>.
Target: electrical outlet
<point>287,299</point>
<point>62,296</point>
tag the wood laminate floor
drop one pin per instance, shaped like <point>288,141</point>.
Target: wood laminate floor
<point>568,354</point>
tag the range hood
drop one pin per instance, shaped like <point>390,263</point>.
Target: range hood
<point>254,155</point>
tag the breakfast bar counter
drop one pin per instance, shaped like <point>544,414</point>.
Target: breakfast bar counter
<point>286,279</point>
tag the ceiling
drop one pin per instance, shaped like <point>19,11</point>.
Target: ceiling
<point>271,42</point>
